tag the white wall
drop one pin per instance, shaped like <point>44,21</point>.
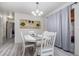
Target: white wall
<point>3,27</point>
<point>1,31</point>
<point>20,16</point>
<point>76,29</point>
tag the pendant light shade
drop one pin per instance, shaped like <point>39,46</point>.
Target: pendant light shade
<point>37,12</point>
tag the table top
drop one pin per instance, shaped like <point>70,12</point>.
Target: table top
<point>29,38</point>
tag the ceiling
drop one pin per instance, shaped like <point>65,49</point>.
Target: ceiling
<point>28,7</point>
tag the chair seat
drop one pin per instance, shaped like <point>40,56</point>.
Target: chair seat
<point>45,51</point>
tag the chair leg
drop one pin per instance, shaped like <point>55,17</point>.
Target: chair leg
<point>23,52</point>
<point>35,54</point>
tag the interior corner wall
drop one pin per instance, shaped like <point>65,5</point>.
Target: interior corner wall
<point>76,29</point>
<point>18,30</point>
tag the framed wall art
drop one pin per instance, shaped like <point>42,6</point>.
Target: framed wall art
<point>29,24</point>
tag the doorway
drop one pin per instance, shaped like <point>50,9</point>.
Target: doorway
<point>10,31</point>
<point>72,40</point>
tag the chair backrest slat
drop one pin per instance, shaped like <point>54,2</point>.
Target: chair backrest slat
<point>48,42</point>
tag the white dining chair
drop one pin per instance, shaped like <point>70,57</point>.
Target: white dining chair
<point>24,45</point>
<point>45,33</point>
<point>47,44</point>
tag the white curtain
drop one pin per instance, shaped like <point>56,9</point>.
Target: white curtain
<point>59,22</point>
<point>65,41</point>
<point>54,24</point>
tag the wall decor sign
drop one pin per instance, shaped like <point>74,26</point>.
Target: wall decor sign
<point>29,24</point>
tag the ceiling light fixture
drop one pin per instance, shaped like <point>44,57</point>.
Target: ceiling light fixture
<point>37,12</point>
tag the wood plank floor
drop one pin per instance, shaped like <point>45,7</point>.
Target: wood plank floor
<point>60,52</point>
<point>11,49</point>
